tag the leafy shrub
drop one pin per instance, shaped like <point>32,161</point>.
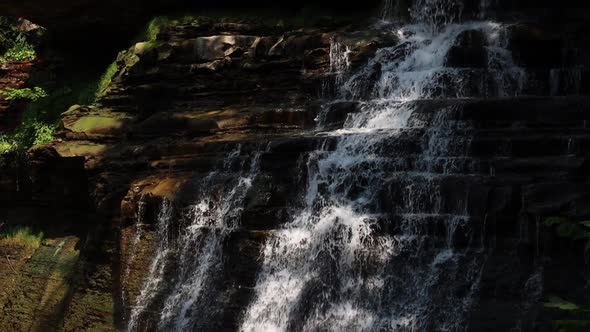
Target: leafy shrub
<point>569,229</point>
<point>20,50</point>
<point>569,325</point>
<point>33,94</point>
<point>21,236</point>
<point>30,133</point>
<point>14,43</point>
<point>573,231</point>
<point>5,144</point>
<point>33,130</point>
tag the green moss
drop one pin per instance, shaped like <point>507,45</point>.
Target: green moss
<point>106,79</point>
<point>115,70</point>
<point>309,16</point>
<point>79,148</point>
<point>154,27</point>
<point>41,287</point>
<point>92,306</point>
<point>90,123</point>
<point>21,236</point>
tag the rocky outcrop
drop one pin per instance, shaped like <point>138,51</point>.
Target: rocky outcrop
<point>178,105</point>
<point>174,109</point>
<point>12,76</point>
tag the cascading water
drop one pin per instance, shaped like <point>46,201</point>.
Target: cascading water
<point>339,60</point>
<point>435,14</point>
<point>418,67</point>
<point>339,64</point>
<point>375,246</point>
<point>157,270</point>
<point>348,261</point>
<point>212,219</point>
<point>198,250</point>
<point>388,9</point>
<point>137,234</point>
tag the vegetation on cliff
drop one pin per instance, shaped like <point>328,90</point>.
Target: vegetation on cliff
<point>46,91</point>
<point>14,42</point>
<point>21,236</point>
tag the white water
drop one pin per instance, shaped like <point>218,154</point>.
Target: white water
<point>334,267</point>
<point>436,14</point>
<point>339,65</point>
<point>132,247</point>
<point>416,69</point>
<point>214,217</point>
<point>156,276</point>
<point>347,261</point>
<point>198,250</point>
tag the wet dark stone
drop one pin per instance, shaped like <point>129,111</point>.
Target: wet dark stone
<point>469,51</point>
<point>560,199</point>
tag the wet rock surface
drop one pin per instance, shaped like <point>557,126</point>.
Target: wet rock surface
<point>176,108</point>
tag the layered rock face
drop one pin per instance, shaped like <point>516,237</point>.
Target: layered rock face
<point>13,76</point>
<point>198,156</point>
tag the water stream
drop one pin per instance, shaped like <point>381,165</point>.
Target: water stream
<point>335,266</point>
<point>348,260</point>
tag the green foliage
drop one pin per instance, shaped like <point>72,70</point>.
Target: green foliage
<point>31,132</point>
<point>105,80</point>
<point>33,94</point>
<point>20,50</point>
<point>572,325</point>
<point>154,27</point>
<point>21,236</point>
<point>569,229</point>
<point>561,304</point>
<point>6,144</point>
<point>14,43</point>
<point>124,61</point>
<point>550,221</point>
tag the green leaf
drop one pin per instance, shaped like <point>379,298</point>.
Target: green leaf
<point>585,223</point>
<point>561,304</point>
<point>550,221</point>
<point>572,325</point>
<point>33,94</point>
<point>572,231</point>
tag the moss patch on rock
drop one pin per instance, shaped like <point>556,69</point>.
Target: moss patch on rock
<point>92,306</point>
<point>37,292</point>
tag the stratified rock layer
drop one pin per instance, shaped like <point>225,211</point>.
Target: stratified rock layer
<point>179,104</point>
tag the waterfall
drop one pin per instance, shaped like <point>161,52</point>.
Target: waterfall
<point>200,245</point>
<point>434,14</point>
<point>339,59</point>
<point>374,244</point>
<point>156,276</point>
<point>347,261</point>
<point>136,237</point>
<point>418,67</point>
<point>197,254</point>
<point>339,64</point>
<point>388,9</point>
